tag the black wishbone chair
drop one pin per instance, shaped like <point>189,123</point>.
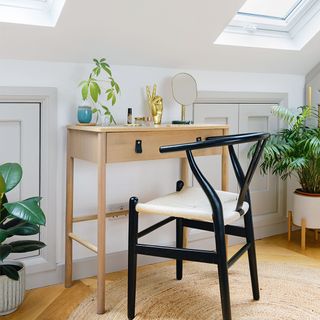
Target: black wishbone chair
<point>201,208</point>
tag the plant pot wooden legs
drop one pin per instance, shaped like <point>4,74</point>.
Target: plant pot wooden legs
<point>303,234</point>
<point>303,230</point>
<point>289,225</point>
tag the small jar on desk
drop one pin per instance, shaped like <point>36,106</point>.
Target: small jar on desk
<point>140,121</point>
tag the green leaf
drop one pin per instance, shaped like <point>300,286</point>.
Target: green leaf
<point>85,90</point>
<point>94,110</point>
<point>26,245</point>
<point>96,61</point>
<point>11,223</point>
<point>3,235</point>
<point>117,87</point>
<point>4,212</point>
<point>114,100</point>
<point>12,174</point>
<point>110,95</point>
<point>2,186</point>
<point>106,69</point>
<point>27,210</point>
<point>10,271</point>
<point>5,250</point>
<point>94,91</point>
<point>23,229</point>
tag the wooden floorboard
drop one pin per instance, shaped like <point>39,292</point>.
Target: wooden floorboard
<point>56,302</point>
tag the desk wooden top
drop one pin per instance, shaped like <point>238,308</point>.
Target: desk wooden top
<point>163,127</point>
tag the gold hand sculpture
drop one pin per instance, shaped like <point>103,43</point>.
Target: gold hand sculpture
<point>155,104</point>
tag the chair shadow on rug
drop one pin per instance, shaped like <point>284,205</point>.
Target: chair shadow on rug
<point>201,208</point>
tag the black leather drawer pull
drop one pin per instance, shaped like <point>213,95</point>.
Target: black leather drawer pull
<point>138,147</point>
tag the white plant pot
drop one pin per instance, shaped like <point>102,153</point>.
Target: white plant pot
<point>11,291</point>
<point>306,207</point>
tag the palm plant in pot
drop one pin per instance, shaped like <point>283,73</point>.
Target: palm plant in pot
<point>20,218</point>
<point>295,151</point>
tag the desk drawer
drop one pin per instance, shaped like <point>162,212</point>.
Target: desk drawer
<point>121,146</point>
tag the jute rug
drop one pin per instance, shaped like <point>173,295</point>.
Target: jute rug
<point>288,292</point>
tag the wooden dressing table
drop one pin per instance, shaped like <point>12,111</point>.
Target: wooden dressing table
<point>103,145</point>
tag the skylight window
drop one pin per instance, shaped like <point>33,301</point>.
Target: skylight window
<point>32,12</point>
<point>272,8</point>
<point>277,24</point>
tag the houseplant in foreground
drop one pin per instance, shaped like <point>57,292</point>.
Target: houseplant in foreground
<point>21,218</point>
<point>295,151</point>
<point>100,89</point>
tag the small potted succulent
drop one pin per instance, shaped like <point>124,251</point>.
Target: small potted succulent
<point>99,90</point>
<point>20,218</point>
<point>295,151</point>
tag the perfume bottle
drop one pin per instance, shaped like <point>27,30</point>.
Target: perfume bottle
<point>129,118</point>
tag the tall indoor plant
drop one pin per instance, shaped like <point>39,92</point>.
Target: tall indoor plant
<point>295,151</point>
<point>100,89</point>
<point>20,218</point>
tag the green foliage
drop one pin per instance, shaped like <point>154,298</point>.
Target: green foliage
<point>100,84</point>
<point>20,218</point>
<point>295,150</point>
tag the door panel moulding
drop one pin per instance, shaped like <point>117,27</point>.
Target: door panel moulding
<point>47,98</point>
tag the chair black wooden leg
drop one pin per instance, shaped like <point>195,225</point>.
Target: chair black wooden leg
<point>179,244</point>
<point>252,256</point>
<point>132,257</point>
<point>223,275</point>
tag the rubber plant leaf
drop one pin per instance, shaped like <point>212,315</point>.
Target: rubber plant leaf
<point>5,250</point>
<point>23,229</point>
<point>27,210</point>
<point>12,174</point>
<point>26,245</point>
<point>4,212</point>
<point>10,271</point>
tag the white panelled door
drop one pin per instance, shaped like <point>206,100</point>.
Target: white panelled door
<point>265,189</point>
<point>217,114</point>
<point>20,142</point>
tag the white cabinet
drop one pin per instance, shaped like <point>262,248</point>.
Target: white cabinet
<point>266,190</point>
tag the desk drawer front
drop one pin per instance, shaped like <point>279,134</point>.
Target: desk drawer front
<point>121,147</point>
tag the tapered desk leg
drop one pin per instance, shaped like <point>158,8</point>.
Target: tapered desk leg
<point>69,217</point>
<point>101,222</point>
<point>184,174</point>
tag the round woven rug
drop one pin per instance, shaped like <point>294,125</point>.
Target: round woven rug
<point>287,292</point>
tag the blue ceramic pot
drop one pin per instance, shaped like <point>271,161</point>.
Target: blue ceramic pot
<point>84,114</point>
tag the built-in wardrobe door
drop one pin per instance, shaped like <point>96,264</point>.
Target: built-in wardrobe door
<point>217,114</point>
<point>265,189</point>
<point>20,142</point>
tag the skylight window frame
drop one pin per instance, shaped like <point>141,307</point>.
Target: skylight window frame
<point>274,24</point>
<point>27,4</point>
<point>290,34</point>
<point>31,12</point>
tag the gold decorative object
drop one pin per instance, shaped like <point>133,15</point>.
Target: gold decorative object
<point>155,104</point>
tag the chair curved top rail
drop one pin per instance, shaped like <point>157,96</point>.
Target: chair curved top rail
<point>217,142</point>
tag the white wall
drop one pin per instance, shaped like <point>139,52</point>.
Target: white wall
<point>142,179</point>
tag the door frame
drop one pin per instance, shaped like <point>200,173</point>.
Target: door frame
<point>47,98</point>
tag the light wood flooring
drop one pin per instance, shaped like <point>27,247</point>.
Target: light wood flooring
<point>56,302</point>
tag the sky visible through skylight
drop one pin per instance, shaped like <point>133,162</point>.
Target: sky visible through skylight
<point>279,9</point>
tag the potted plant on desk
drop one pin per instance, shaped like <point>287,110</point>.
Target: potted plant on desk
<point>21,218</point>
<point>99,89</point>
<point>295,151</point>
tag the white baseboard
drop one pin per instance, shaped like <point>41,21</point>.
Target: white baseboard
<point>117,261</point>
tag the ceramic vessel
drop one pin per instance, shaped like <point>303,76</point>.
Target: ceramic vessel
<point>306,206</point>
<point>11,291</point>
<point>84,114</point>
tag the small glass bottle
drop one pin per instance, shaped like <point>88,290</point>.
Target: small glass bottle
<point>129,118</point>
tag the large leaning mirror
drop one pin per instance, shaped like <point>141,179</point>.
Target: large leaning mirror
<point>185,92</point>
